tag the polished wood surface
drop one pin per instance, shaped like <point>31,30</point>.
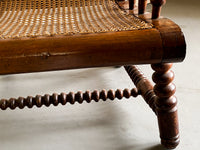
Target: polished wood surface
<point>162,43</point>
<point>142,6</point>
<point>166,105</point>
<point>171,39</point>
<point>80,51</point>
<point>157,4</point>
<point>144,86</point>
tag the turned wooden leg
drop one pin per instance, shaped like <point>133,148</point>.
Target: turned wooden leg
<point>166,105</point>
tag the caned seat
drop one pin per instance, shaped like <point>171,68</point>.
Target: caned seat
<point>47,35</point>
<point>34,18</point>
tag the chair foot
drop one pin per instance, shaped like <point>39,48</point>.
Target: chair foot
<point>166,105</point>
<point>170,143</point>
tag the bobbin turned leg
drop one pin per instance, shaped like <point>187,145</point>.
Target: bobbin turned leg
<point>166,105</point>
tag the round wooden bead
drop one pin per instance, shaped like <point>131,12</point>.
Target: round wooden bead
<point>163,78</point>
<point>161,68</point>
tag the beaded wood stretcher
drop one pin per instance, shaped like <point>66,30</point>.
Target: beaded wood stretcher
<point>45,35</point>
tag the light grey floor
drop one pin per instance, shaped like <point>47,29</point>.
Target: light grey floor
<point>117,125</point>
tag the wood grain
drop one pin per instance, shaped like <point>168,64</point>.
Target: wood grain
<point>144,86</point>
<point>164,43</point>
<point>166,105</point>
<point>80,51</point>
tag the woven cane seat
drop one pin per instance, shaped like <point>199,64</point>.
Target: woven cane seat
<point>33,18</point>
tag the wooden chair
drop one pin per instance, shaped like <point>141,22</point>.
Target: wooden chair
<point>45,35</point>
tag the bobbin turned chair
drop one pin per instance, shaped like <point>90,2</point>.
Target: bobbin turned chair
<point>44,35</point>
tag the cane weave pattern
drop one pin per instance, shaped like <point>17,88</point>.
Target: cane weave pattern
<point>33,18</point>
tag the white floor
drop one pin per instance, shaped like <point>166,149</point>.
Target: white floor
<point>111,125</point>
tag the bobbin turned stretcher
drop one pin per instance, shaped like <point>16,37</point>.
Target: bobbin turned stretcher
<point>45,35</point>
